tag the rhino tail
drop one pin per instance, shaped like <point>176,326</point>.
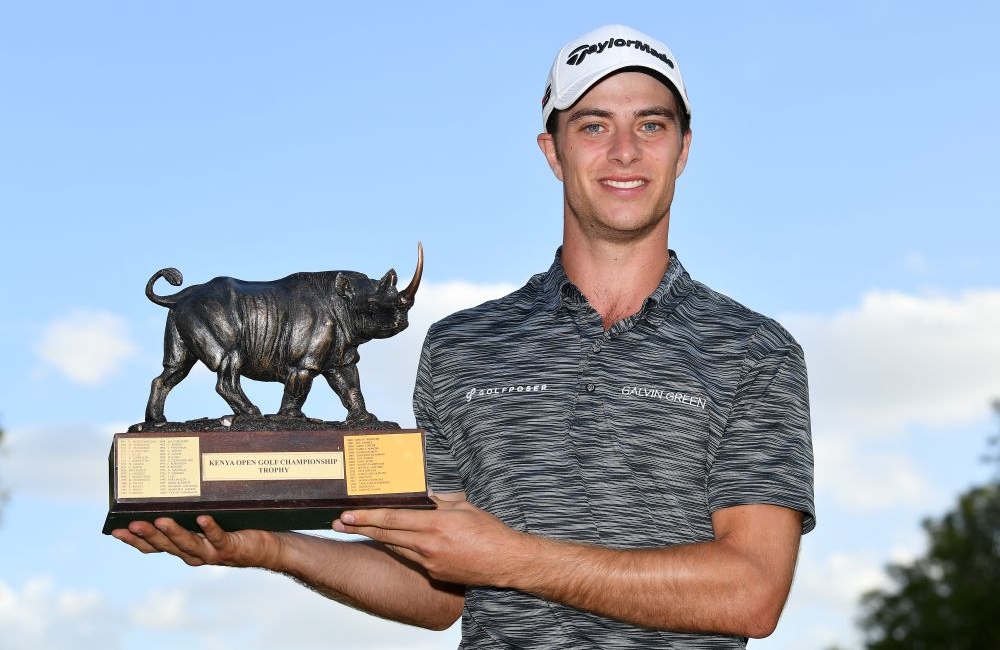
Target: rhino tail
<point>171,275</point>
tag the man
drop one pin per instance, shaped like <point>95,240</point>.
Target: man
<point>621,456</point>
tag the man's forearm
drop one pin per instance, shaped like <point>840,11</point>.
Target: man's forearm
<point>667,588</point>
<point>368,577</point>
<point>729,586</point>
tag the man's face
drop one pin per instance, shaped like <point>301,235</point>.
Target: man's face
<point>619,153</point>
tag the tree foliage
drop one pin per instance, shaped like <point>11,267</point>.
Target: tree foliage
<point>950,598</point>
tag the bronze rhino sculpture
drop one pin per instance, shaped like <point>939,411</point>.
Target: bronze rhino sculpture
<point>286,330</point>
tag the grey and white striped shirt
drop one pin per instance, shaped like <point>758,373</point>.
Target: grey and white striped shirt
<point>626,438</point>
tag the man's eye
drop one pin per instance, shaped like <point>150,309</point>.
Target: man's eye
<point>650,127</point>
<point>593,128</point>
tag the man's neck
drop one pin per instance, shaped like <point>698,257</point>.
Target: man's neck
<point>616,278</point>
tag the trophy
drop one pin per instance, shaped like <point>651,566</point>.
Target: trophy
<point>270,472</point>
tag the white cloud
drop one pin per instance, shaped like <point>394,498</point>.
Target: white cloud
<point>38,616</point>
<point>59,462</point>
<point>208,608</point>
<point>837,579</point>
<point>86,346</point>
<point>435,301</point>
<point>285,614</point>
<point>898,360</point>
<point>163,609</point>
<point>890,365</point>
<point>867,480</point>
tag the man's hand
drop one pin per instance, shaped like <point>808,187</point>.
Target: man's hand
<point>245,548</point>
<point>456,543</point>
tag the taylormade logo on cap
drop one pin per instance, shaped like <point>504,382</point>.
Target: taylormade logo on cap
<point>577,56</point>
<point>583,62</point>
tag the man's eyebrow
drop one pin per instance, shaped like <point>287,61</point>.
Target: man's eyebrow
<point>660,111</point>
<point>588,112</point>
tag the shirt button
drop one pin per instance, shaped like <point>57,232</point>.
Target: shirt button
<point>591,388</point>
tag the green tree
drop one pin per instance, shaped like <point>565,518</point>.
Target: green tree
<point>950,598</point>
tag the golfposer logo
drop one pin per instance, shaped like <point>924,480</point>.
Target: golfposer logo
<point>503,390</point>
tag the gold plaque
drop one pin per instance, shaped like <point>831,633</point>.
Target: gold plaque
<point>158,467</point>
<point>384,464</point>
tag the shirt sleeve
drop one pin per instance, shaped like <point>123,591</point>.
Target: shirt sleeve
<point>442,470</point>
<point>765,455</point>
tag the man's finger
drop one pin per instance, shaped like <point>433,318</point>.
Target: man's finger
<point>214,533</point>
<point>386,518</point>
<point>149,538</point>
<point>179,541</point>
<point>133,540</point>
<point>381,528</point>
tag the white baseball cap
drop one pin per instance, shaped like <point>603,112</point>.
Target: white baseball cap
<point>584,61</point>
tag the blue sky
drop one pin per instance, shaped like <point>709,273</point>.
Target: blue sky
<point>842,180</point>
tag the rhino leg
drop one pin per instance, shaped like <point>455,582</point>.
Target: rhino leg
<point>297,386</point>
<point>346,384</point>
<point>228,385</point>
<point>177,363</point>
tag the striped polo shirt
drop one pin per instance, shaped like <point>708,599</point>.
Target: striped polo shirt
<point>625,438</point>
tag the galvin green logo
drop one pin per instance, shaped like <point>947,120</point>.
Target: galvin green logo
<point>665,395</point>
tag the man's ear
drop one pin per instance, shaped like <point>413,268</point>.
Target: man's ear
<point>685,150</point>
<point>548,146</point>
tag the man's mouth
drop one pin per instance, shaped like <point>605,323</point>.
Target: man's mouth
<point>625,185</point>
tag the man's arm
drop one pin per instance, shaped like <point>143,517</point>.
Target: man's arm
<point>364,575</point>
<point>736,584</point>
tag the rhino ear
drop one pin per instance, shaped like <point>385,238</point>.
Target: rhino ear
<point>341,285</point>
<point>388,280</point>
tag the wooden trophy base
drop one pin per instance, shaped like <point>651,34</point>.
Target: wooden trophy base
<point>265,480</point>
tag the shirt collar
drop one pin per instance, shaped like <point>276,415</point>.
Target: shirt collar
<point>555,286</point>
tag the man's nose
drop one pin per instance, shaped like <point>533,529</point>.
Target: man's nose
<point>625,147</point>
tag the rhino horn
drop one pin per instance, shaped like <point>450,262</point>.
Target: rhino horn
<point>406,295</point>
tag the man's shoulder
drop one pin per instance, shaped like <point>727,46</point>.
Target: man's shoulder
<point>715,313</point>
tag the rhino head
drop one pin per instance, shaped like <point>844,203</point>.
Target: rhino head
<point>378,309</point>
